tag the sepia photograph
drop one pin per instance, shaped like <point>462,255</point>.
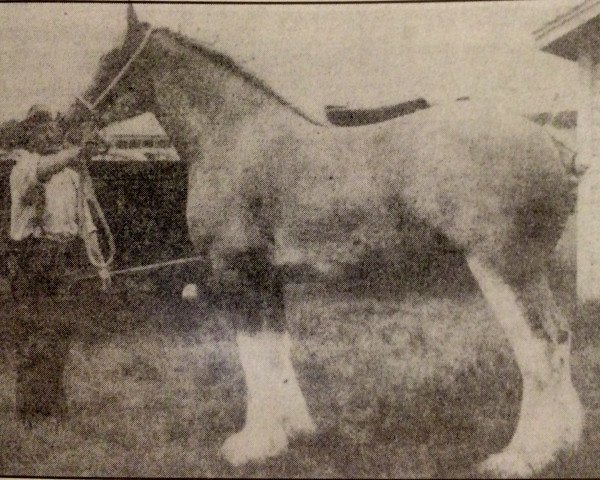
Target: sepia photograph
<point>273,240</point>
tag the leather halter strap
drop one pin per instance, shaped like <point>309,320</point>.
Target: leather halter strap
<point>93,105</point>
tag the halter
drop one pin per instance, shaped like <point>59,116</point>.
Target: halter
<point>94,105</point>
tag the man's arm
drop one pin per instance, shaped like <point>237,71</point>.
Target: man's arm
<point>49,165</point>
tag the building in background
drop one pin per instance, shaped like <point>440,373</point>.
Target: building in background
<point>140,139</point>
<point>575,35</point>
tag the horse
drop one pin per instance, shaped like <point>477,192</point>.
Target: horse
<point>270,188</point>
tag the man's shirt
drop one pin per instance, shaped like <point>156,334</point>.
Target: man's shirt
<point>55,214</point>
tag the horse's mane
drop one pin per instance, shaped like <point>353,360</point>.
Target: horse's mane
<point>225,61</point>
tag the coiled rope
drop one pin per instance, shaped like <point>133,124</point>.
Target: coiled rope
<point>93,249</point>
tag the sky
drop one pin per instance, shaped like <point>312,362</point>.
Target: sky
<point>313,55</point>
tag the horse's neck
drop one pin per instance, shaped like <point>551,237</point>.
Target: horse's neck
<point>196,114</point>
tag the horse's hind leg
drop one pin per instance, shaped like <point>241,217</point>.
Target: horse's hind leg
<point>276,408</point>
<point>551,415</point>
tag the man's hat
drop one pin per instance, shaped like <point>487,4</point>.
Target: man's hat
<point>38,114</point>
<point>35,127</point>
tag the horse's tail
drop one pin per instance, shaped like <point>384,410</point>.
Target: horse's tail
<point>567,148</point>
<point>567,151</point>
<point>574,169</point>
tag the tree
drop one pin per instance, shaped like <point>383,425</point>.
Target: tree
<point>11,134</point>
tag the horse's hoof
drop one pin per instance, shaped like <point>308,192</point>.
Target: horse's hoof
<point>532,449</point>
<point>507,464</point>
<point>254,445</point>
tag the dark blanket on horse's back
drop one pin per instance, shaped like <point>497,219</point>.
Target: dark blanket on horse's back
<point>345,117</point>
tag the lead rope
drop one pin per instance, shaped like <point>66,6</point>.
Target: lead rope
<point>87,195</point>
<point>86,186</point>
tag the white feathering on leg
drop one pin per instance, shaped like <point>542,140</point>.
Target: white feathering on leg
<point>275,404</point>
<point>294,412</point>
<point>551,416</point>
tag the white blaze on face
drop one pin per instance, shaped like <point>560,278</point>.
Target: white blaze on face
<point>276,408</point>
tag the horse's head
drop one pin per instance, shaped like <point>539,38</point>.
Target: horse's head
<point>121,87</point>
<point>192,89</point>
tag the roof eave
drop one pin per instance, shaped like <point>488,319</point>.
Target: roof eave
<point>562,36</point>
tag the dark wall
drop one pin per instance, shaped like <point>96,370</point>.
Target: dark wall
<point>145,208</point>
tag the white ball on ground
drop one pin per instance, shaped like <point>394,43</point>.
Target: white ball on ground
<point>190,292</point>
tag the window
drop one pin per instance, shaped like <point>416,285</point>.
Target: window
<point>148,143</point>
<point>122,144</point>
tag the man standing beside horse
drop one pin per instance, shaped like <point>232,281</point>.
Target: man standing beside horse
<point>49,219</point>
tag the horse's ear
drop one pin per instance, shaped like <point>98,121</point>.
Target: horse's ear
<point>132,18</point>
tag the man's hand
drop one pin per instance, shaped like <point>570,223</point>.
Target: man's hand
<point>93,144</point>
<point>86,152</point>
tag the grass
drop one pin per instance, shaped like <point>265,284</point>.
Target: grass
<point>402,382</point>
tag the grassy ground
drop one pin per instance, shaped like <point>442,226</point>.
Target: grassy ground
<point>402,382</point>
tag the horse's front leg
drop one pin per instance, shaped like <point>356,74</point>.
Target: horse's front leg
<point>276,409</point>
